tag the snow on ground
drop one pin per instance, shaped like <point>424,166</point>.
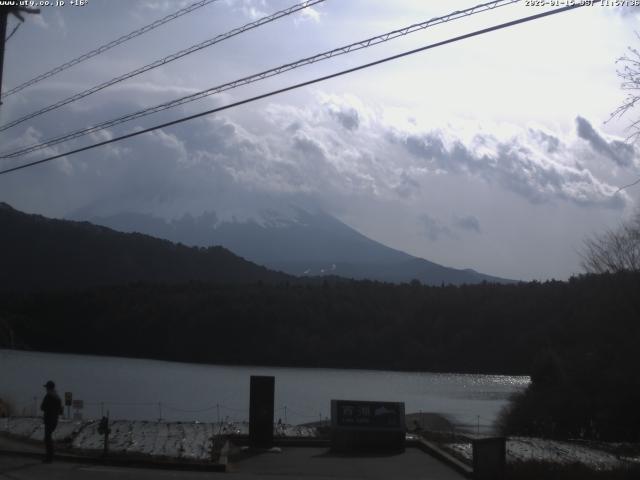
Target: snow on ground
<point>25,427</point>
<point>194,440</point>
<point>295,431</point>
<point>33,429</point>
<point>539,449</point>
<point>186,440</point>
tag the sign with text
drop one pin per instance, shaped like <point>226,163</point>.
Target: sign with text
<point>68,399</point>
<point>358,425</point>
<point>78,404</point>
<point>364,414</point>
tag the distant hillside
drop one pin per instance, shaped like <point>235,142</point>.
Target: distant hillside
<point>298,242</point>
<point>42,253</point>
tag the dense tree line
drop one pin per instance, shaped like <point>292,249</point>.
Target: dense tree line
<point>479,328</point>
<point>578,339</point>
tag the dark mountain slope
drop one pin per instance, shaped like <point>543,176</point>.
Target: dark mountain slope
<point>42,253</point>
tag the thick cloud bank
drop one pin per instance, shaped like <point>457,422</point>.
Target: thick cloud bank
<point>335,147</point>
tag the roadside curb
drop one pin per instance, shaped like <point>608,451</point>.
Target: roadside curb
<point>124,462</point>
<point>435,451</point>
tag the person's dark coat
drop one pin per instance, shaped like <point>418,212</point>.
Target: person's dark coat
<point>52,408</point>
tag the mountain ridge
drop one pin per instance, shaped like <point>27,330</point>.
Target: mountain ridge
<point>311,243</point>
<point>49,253</point>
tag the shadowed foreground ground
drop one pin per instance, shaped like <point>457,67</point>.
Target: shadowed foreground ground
<point>308,463</point>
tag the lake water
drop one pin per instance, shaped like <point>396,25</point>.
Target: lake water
<point>149,389</point>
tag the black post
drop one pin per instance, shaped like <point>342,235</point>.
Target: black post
<point>105,450</point>
<point>261,393</point>
<point>103,429</point>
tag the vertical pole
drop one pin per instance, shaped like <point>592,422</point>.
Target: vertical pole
<point>3,35</point>
<point>4,14</point>
<point>107,430</point>
<point>218,413</point>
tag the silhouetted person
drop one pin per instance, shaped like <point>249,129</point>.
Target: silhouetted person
<point>52,408</point>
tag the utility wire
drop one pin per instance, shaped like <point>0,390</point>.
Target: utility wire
<point>108,46</point>
<point>164,61</point>
<point>265,74</point>
<point>15,29</point>
<point>299,85</point>
<point>182,410</point>
<point>627,186</point>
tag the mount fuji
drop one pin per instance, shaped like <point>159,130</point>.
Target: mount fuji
<point>296,241</point>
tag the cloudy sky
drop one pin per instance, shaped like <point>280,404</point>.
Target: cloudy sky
<point>491,153</point>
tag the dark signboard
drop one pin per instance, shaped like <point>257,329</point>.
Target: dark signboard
<point>358,425</point>
<point>350,413</point>
<point>261,395</point>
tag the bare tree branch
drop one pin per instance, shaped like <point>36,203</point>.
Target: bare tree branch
<point>629,73</point>
<point>614,251</point>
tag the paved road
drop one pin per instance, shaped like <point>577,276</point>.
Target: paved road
<point>319,463</point>
<point>307,463</point>
<point>21,468</point>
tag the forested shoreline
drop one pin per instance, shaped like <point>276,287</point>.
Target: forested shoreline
<point>347,324</point>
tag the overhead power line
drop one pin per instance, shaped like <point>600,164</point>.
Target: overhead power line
<point>164,61</point>
<point>299,85</point>
<point>265,74</point>
<point>633,184</point>
<point>15,29</point>
<point>108,46</point>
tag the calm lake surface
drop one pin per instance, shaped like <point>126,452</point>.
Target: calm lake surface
<point>149,389</point>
